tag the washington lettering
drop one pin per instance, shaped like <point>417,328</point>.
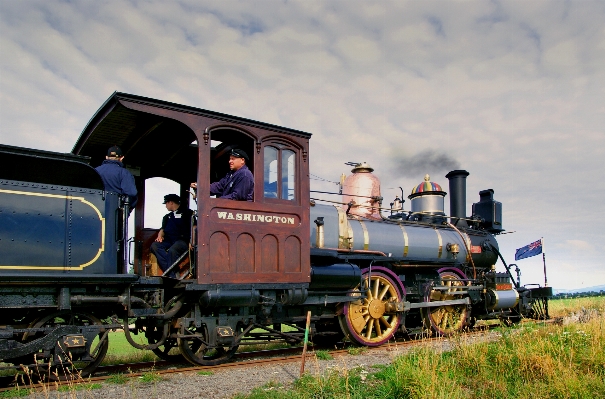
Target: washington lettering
<point>255,217</point>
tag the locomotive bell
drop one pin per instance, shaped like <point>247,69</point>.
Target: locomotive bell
<point>361,190</point>
<point>427,198</point>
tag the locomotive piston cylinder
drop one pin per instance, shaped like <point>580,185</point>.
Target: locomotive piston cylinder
<point>496,300</point>
<point>294,296</point>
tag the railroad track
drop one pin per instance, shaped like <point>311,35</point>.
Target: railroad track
<point>239,360</point>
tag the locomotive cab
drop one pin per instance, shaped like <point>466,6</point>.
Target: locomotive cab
<point>263,241</point>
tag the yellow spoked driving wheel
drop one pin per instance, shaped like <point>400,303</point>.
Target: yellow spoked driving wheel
<point>372,320</point>
<point>449,319</point>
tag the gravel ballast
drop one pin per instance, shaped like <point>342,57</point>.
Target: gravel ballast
<point>224,383</point>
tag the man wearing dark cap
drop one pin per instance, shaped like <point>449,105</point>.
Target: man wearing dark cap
<point>175,234</point>
<point>239,183</point>
<point>115,176</point>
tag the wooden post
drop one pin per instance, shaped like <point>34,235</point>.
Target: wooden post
<point>304,354</point>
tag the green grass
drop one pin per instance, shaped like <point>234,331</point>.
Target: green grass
<point>79,387</point>
<point>323,355</point>
<point>118,379</point>
<point>566,307</point>
<point>150,377</point>
<point>15,393</point>
<point>529,361</point>
<point>356,350</point>
<point>120,351</point>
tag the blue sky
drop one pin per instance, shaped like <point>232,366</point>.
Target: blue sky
<point>511,91</point>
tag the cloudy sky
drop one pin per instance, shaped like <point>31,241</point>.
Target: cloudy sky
<point>512,91</point>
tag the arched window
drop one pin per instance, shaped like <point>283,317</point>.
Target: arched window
<point>155,190</point>
<point>279,173</point>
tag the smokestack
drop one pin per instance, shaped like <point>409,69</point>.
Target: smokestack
<point>457,180</point>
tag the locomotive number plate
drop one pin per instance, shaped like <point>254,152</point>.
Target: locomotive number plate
<point>224,215</point>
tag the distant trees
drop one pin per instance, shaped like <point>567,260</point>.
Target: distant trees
<point>566,295</point>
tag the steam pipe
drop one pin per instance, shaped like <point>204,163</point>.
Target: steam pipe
<point>319,235</point>
<point>166,329</point>
<point>121,299</point>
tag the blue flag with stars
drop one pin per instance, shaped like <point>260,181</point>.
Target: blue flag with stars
<point>533,249</point>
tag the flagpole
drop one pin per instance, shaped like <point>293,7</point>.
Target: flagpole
<point>544,261</point>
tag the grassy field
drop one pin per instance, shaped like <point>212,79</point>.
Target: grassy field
<point>568,307</point>
<point>120,351</point>
<point>531,360</point>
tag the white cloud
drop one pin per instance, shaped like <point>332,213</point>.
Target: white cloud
<point>579,245</point>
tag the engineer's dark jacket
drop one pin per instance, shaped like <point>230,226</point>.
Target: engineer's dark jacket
<point>238,185</point>
<point>118,180</point>
<point>177,225</point>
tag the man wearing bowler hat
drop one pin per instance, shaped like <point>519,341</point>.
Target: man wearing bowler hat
<point>115,176</point>
<point>175,234</point>
<point>238,184</point>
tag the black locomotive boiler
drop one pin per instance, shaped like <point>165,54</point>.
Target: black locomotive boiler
<point>255,269</point>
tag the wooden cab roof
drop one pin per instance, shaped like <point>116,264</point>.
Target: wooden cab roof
<point>138,124</point>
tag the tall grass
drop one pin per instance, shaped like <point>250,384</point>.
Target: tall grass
<point>565,360</point>
<point>574,306</point>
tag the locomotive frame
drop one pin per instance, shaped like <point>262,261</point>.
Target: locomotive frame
<point>255,266</point>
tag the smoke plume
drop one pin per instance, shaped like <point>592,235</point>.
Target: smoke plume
<point>427,161</point>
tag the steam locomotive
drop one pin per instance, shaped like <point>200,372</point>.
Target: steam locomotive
<point>70,274</point>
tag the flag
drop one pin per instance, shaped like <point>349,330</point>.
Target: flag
<point>533,249</point>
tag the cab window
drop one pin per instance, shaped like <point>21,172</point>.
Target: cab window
<point>287,174</point>
<point>279,173</point>
<point>222,141</point>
